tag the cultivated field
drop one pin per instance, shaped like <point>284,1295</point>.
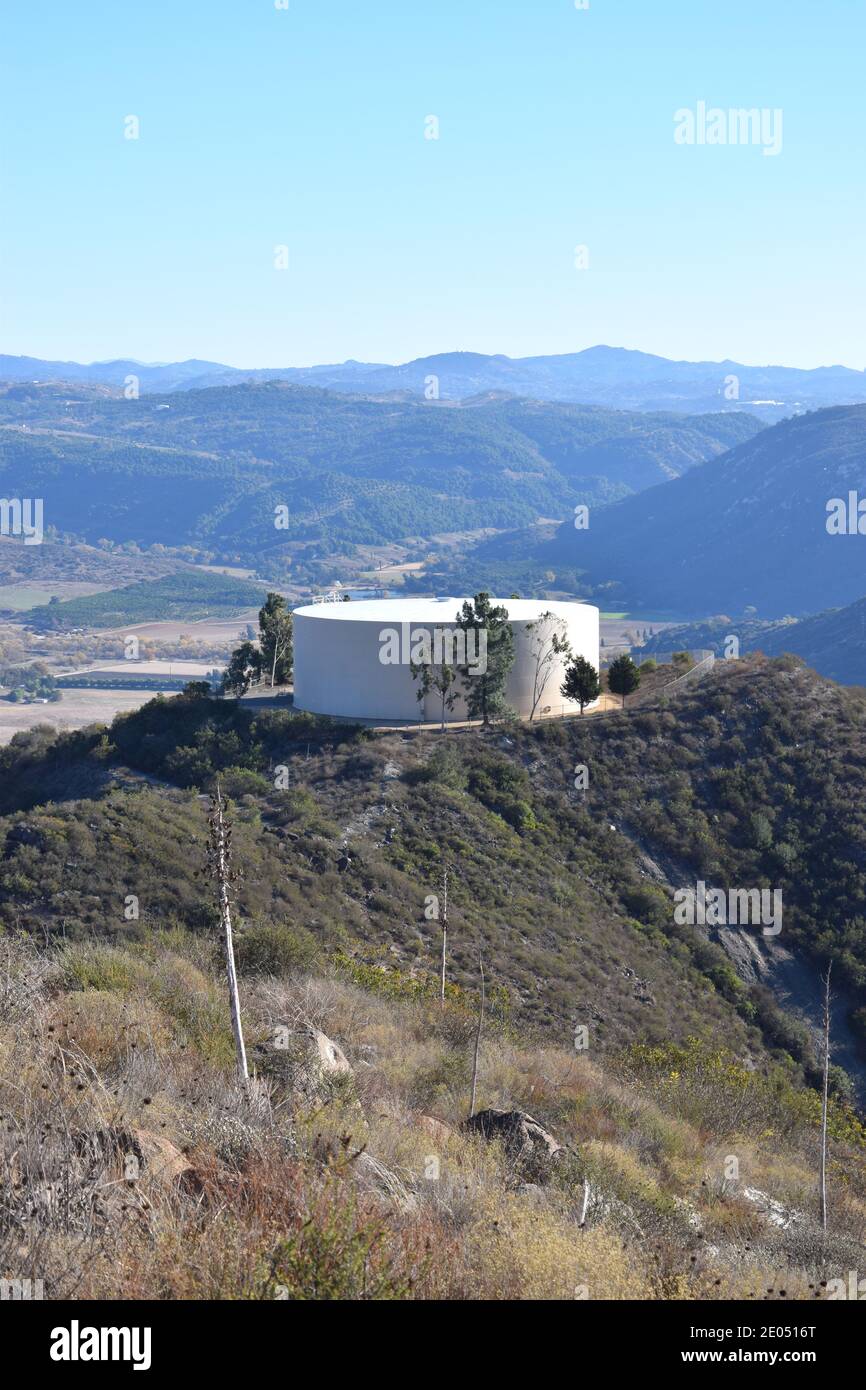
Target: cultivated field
<point>216,631</point>
<point>77,709</point>
<point>192,670</point>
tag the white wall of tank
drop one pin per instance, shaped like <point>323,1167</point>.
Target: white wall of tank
<point>344,655</point>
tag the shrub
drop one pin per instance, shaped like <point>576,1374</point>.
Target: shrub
<point>275,949</point>
<point>240,781</point>
<point>339,1253</point>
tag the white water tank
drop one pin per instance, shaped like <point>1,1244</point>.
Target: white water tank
<point>345,655</point>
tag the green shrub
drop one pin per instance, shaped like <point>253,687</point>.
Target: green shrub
<point>240,781</point>
<point>275,949</point>
<point>338,1255</point>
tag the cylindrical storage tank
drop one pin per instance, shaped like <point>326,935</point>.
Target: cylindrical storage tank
<point>354,659</point>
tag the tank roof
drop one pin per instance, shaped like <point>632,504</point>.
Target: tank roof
<point>430,610</point>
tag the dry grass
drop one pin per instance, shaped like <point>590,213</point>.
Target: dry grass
<point>358,1196</point>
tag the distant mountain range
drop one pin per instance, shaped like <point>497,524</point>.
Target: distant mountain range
<point>609,376</point>
<point>746,530</point>
<point>208,468</point>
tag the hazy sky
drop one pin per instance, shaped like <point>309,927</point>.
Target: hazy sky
<point>305,127</point>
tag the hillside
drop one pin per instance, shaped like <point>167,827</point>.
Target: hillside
<point>614,377</point>
<point>748,529</point>
<point>351,1173</point>
<point>208,468</point>
<point>54,561</point>
<point>117,1017</point>
<point>568,892</point>
<point>833,643</point>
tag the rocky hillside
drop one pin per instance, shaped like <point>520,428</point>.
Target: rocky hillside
<point>751,779</point>
<point>625,1061</point>
<point>133,1165</point>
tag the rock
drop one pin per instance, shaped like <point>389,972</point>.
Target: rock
<point>526,1142</point>
<point>23,833</point>
<point>775,1213</point>
<point>437,1129</point>
<point>332,1058</point>
<point>162,1160</point>
<point>140,1152</point>
<point>690,1213</point>
<point>305,1059</point>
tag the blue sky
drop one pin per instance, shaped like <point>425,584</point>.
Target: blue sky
<point>305,128</point>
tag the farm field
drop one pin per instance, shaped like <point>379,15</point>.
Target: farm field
<point>192,669</point>
<point>77,709</point>
<point>614,628</point>
<point>21,597</point>
<point>218,631</point>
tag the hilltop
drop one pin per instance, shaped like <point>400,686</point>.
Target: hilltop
<point>751,779</point>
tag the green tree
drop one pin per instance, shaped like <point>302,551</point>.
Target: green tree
<point>275,639</point>
<point>623,676</point>
<point>439,677</point>
<point>490,640</point>
<point>243,670</point>
<point>195,690</point>
<point>581,682</point>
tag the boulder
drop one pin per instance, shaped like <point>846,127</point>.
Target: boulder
<point>23,833</point>
<point>526,1142</point>
<point>437,1129</point>
<point>162,1160</point>
<point>305,1059</point>
<point>331,1058</point>
<point>139,1152</point>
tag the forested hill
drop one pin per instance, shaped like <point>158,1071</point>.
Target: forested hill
<point>752,779</point>
<point>209,467</point>
<point>748,529</point>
